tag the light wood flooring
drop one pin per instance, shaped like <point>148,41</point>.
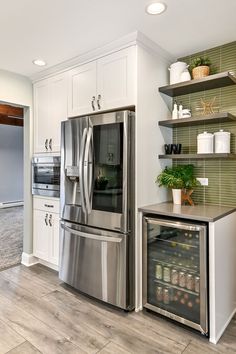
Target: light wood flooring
<point>40,315</point>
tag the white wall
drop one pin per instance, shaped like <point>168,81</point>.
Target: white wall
<point>11,163</point>
<point>17,90</point>
<point>151,107</point>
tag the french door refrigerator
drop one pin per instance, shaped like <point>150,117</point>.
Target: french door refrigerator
<point>175,270</point>
<point>97,203</point>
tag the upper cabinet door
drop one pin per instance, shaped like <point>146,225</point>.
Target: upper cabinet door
<point>116,79</point>
<point>57,110</point>
<point>82,90</point>
<point>41,116</point>
<point>50,108</point>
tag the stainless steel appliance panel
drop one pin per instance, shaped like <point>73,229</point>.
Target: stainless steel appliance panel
<point>46,175</point>
<point>97,149</point>
<point>175,271</point>
<point>95,262</point>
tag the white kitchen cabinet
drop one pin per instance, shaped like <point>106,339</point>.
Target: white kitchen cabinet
<point>103,84</point>
<point>82,89</point>
<point>116,79</point>
<point>46,230</point>
<point>50,108</point>
<point>41,235</point>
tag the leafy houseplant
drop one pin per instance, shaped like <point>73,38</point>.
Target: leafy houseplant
<point>179,178</point>
<point>101,182</point>
<point>200,67</point>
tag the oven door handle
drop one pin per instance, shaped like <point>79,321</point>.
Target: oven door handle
<point>91,236</point>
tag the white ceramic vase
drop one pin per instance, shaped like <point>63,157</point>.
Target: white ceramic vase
<point>176,196</point>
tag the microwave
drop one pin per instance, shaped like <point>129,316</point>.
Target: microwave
<point>46,176</point>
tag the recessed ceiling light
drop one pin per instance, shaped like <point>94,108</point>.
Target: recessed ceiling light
<point>39,62</point>
<point>155,8</point>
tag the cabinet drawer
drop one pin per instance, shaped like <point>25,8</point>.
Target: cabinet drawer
<point>45,204</point>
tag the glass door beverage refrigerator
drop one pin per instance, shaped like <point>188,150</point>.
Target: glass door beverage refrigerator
<point>175,270</point>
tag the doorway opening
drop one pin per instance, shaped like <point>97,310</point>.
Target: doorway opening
<point>11,184</point>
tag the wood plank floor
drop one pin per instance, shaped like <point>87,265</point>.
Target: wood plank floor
<point>39,314</point>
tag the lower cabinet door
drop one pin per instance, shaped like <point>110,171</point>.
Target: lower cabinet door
<point>54,239</point>
<point>41,234</point>
<point>46,236</point>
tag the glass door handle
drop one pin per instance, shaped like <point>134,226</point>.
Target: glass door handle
<point>177,224</point>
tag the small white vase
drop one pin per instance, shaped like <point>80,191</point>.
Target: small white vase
<point>176,196</point>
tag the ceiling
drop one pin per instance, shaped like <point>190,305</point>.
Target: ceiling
<point>57,30</point>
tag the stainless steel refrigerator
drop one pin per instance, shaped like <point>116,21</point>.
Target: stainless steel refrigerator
<point>175,270</point>
<point>97,204</point>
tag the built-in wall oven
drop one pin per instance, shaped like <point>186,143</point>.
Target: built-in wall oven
<point>46,175</point>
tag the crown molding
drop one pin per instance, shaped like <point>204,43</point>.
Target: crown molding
<point>134,38</point>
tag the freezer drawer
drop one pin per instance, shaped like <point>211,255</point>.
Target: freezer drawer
<point>95,262</point>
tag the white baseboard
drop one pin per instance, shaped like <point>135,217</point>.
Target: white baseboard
<point>49,265</point>
<point>216,339</point>
<point>11,204</point>
<point>138,309</point>
<point>28,259</point>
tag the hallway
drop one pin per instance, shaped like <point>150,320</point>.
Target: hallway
<point>11,236</point>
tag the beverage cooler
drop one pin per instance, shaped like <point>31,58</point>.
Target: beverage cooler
<point>175,270</point>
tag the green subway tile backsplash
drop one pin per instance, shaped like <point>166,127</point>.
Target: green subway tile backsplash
<point>221,173</point>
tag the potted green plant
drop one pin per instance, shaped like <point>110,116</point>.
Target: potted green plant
<point>101,182</point>
<point>200,67</point>
<point>181,180</point>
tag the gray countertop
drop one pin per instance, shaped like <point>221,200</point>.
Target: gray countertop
<point>202,212</point>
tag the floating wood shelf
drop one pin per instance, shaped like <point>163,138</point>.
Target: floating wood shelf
<point>197,156</point>
<point>212,118</point>
<point>207,83</point>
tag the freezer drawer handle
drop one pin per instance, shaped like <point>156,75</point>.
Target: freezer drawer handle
<point>93,237</point>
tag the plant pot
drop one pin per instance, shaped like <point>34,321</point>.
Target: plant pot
<point>176,193</point>
<point>200,71</point>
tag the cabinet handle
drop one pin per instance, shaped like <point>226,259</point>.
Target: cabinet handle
<point>98,101</point>
<point>46,144</point>
<point>50,144</point>
<point>49,206</point>
<point>92,102</point>
<point>50,220</point>
<point>46,219</point>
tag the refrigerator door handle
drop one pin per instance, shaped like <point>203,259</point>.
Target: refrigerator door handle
<point>92,236</point>
<point>81,171</point>
<point>88,169</point>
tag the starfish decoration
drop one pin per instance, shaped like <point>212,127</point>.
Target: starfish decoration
<point>207,106</point>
